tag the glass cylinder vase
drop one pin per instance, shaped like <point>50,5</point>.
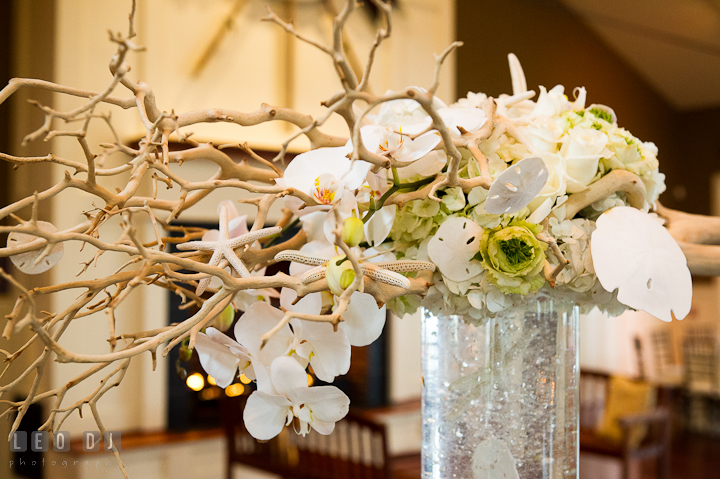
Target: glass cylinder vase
<point>500,394</point>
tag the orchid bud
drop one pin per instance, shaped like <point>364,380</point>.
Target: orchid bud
<point>353,231</point>
<point>185,353</point>
<point>225,319</point>
<point>338,275</point>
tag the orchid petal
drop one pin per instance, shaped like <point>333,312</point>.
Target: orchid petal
<point>331,348</point>
<point>428,165</point>
<point>262,378</point>
<point>260,318</point>
<point>353,179</point>
<point>322,427</point>
<point>238,226</point>
<point>312,225</point>
<point>363,321</point>
<point>412,150</point>
<point>310,304</point>
<point>635,254</point>
<point>327,403</point>
<point>265,415</point>
<point>453,247</point>
<point>372,136</point>
<point>378,227</point>
<point>211,235</point>
<point>306,167</point>
<point>217,360</point>
<point>235,348</point>
<point>287,374</point>
<point>470,119</point>
<point>232,211</point>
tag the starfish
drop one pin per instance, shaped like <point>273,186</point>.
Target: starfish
<point>385,272</point>
<point>225,247</point>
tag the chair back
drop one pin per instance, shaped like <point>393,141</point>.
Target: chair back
<point>700,355</point>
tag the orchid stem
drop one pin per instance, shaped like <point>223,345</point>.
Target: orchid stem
<point>397,186</point>
<point>274,240</point>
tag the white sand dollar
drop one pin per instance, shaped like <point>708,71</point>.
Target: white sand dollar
<point>453,247</point>
<point>635,254</point>
<point>492,460</point>
<point>25,262</point>
<point>517,186</point>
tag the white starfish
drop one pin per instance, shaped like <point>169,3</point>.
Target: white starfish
<point>384,272</point>
<point>225,247</point>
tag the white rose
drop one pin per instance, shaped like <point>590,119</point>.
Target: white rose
<point>556,183</point>
<point>544,134</point>
<point>582,151</point>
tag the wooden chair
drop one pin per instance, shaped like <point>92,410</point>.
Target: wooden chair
<point>655,445</point>
<point>700,356</point>
<point>357,449</point>
<point>702,390</point>
<point>663,353</point>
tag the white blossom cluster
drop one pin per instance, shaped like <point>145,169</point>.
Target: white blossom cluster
<point>578,145</point>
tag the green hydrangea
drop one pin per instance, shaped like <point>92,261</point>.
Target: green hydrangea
<point>513,257</point>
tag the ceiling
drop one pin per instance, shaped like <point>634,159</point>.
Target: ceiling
<point>673,44</point>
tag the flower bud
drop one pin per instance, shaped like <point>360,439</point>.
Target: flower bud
<point>338,275</point>
<point>225,319</point>
<point>353,231</point>
<point>185,353</point>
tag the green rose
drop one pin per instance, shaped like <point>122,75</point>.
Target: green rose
<point>513,257</point>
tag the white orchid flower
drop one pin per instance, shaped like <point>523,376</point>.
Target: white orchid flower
<point>632,252</point>
<point>469,119</point>
<point>222,358</point>
<point>284,394</point>
<point>326,350</point>
<point>325,173</point>
<point>407,114</point>
<point>392,141</point>
<point>429,165</point>
<point>363,321</point>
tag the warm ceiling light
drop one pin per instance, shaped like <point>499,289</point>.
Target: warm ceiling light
<point>245,380</point>
<point>234,390</point>
<point>211,381</point>
<point>195,381</point>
